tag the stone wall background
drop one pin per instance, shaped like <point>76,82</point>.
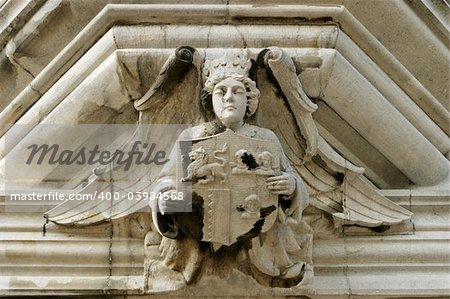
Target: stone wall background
<point>56,52</point>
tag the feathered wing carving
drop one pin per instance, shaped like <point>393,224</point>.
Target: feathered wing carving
<point>170,100</point>
<point>335,185</point>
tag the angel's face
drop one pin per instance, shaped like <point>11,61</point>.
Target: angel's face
<point>230,102</point>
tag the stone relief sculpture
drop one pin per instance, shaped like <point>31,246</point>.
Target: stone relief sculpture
<point>202,171</point>
<point>239,166</point>
<point>256,162</point>
<point>265,160</point>
<point>232,217</point>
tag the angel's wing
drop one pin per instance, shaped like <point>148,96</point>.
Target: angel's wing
<point>335,185</point>
<point>164,103</point>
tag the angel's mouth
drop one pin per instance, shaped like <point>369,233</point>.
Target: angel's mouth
<point>230,107</point>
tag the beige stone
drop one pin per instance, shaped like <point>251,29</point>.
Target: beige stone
<point>367,132</point>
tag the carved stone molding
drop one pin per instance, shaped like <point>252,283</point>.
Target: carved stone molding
<point>373,123</point>
<point>231,14</point>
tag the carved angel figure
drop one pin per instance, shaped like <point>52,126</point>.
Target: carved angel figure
<point>278,111</point>
<point>272,257</point>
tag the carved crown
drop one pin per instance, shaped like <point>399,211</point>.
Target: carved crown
<point>230,64</point>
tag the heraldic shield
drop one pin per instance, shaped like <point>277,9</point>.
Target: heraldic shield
<point>229,172</point>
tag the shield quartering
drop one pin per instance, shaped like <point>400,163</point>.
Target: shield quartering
<point>229,171</point>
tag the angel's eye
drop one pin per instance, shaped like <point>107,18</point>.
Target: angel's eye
<point>239,91</point>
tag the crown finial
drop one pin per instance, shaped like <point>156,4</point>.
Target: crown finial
<point>230,64</point>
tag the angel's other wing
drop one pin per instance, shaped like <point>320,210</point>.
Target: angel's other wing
<point>172,99</point>
<point>335,185</point>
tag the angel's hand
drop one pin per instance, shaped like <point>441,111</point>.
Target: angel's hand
<point>283,184</point>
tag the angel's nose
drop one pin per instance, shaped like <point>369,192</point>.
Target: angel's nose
<point>228,95</point>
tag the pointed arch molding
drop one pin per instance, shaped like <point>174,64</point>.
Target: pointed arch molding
<point>358,78</point>
<point>371,109</point>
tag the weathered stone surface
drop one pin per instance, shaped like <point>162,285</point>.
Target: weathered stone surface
<point>377,73</point>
